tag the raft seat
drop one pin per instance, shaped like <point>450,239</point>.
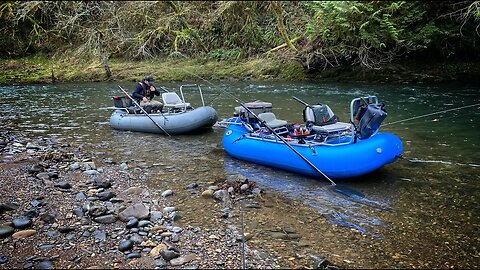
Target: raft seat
<point>172,101</point>
<point>279,126</point>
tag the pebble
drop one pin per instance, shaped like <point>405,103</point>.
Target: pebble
<point>167,193</point>
<point>139,211</point>
<point>24,234</point>
<point>107,219</point>
<point>6,231</point>
<point>169,254</point>
<point>21,222</point>
<point>44,265</point>
<point>134,255</point>
<point>3,259</point>
<point>184,259</point>
<point>207,193</point>
<point>192,186</point>
<point>132,223</point>
<point>125,245</point>
<point>63,184</point>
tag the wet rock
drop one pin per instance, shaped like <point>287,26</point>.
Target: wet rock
<point>139,211</point>
<point>3,259</point>
<point>167,255</point>
<point>97,182</point>
<point>21,222</point>
<point>107,219</point>
<point>125,245</point>
<point>6,231</point>
<point>143,223</point>
<point>63,184</point>
<point>24,234</point>
<point>134,255</point>
<point>132,223</point>
<point>105,196</point>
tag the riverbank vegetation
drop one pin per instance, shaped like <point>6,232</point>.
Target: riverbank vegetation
<point>44,41</point>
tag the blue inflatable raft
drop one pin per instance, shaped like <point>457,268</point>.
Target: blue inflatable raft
<point>339,150</point>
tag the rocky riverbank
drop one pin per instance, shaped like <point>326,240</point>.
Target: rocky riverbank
<point>59,208</point>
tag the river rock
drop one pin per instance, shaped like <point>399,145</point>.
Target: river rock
<point>65,229</point>
<point>125,245</point>
<point>244,187</point>
<point>139,211</point>
<point>6,231</point>
<point>207,193</point>
<point>43,176</point>
<point>8,206</point>
<point>169,209</point>
<point>221,195</point>
<point>3,259</point>
<point>192,186</point>
<point>63,184</point>
<point>91,172</point>
<point>97,210</point>
<point>23,234</point>
<point>100,183</point>
<point>167,255</point>
<point>184,259</point>
<point>21,222</point>
<point>48,217</point>
<point>155,216</point>
<point>44,265</point>
<point>156,250</point>
<point>135,190</point>
<point>143,223</point>
<point>167,193</point>
<point>132,223</point>
<point>35,169</point>
<point>105,196</point>
<point>107,219</point>
<point>74,166</point>
<point>134,255</point>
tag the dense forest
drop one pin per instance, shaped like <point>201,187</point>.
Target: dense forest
<point>318,34</point>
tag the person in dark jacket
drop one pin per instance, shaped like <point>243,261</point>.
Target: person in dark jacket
<point>144,94</point>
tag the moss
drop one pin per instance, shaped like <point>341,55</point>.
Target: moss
<point>41,69</point>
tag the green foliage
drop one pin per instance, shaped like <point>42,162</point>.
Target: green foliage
<point>225,55</point>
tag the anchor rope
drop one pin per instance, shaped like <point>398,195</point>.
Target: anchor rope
<point>430,114</point>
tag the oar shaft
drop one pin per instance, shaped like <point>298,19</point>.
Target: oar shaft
<point>301,101</point>
<point>286,143</point>
<point>138,105</point>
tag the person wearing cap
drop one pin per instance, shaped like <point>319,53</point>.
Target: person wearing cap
<point>144,94</point>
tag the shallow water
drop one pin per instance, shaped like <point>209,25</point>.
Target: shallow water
<point>421,211</point>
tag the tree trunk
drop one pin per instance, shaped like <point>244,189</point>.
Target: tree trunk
<point>277,8</point>
<point>104,60</point>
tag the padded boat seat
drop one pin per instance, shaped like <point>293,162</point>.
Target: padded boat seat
<point>271,120</point>
<point>338,126</point>
<point>172,100</point>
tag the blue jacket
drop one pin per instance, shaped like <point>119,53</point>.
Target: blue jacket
<point>143,90</point>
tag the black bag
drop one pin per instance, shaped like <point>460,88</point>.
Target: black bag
<point>371,120</point>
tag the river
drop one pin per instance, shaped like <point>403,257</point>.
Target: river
<point>420,212</point>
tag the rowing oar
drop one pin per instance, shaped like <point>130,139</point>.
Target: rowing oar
<point>289,146</point>
<point>138,105</point>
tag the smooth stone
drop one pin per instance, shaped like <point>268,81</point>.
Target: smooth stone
<point>156,216</point>
<point>143,223</point>
<point>3,259</point>
<point>74,166</point>
<point>48,218</point>
<point>80,196</point>
<point>132,223</point>
<point>63,184</point>
<point>176,229</point>
<point>107,219</point>
<point>207,193</point>
<point>44,265</point>
<point>6,231</point>
<point>9,206</point>
<point>184,259</point>
<point>167,193</point>
<point>105,196</point>
<point>102,183</point>
<point>137,239</point>
<point>167,255</point>
<point>43,176</point>
<point>192,186</point>
<point>134,255</point>
<point>135,190</point>
<point>244,187</point>
<point>24,234</point>
<point>230,190</point>
<point>175,215</point>
<point>21,222</point>
<point>256,190</point>
<point>99,235</point>
<point>35,203</point>
<point>160,263</point>
<point>156,250</point>
<point>65,229</point>
<point>78,212</point>
<point>91,172</point>
<point>35,169</point>
<point>139,211</point>
<point>53,175</point>
<point>169,209</point>
<point>125,245</point>
<point>31,213</point>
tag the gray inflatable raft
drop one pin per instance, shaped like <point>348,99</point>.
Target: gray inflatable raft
<point>173,123</point>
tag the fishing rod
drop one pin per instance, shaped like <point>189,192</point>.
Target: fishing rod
<point>138,105</point>
<point>287,144</point>
<point>430,114</point>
